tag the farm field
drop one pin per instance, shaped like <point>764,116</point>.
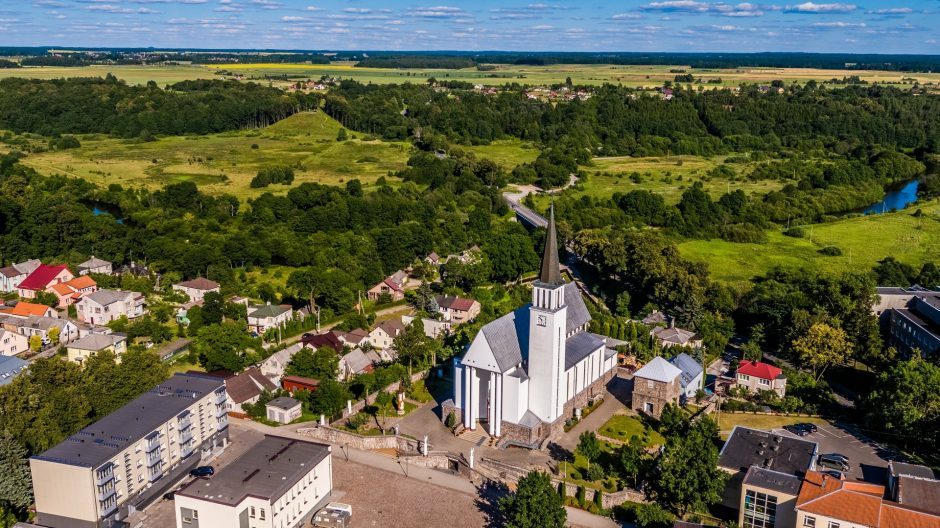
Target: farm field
<point>589,74</point>
<point>226,162</point>
<point>507,153</point>
<point>863,240</point>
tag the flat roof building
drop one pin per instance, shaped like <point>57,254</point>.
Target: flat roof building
<point>278,483</point>
<point>130,456</point>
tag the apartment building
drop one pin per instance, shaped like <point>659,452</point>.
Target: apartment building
<point>278,483</point>
<point>131,456</point>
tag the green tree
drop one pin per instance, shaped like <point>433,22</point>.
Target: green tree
<point>687,475</point>
<point>213,307</point>
<point>320,364</point>
<point>673,421</point>
<point>534,504</point>
<point>35,343</point>
<point>15,482</point>
<point>821,347</point>
<point>329,398</point>
<point>54,333</point>
<point>632,459</point>
<point>589,446</point>
<point>905,401</point>
<point>342,135</point>
<point>224,346</point>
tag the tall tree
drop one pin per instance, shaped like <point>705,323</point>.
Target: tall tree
<point>534,504</point>
<point>687,475</point>
<point>821,347</point>
<point>320,364</point>
<point>15,483</point>
<point>905,402</point>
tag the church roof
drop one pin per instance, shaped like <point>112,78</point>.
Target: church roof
<point>551,269</point>
<point>658,370</point>
<point>579,346</point>
<point>578,314</point>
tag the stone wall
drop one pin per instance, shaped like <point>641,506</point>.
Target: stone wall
<point>659,395</point>
<point>361,404</point>
<point>365,443</point>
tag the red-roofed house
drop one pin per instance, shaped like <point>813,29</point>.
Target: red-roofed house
<point>328,339</point>
<point>26,309</point>
<point>42,278</point>
<point>756,376</point>
<point>393,285</point>
<point>457,309</point>
<point>70,291</point>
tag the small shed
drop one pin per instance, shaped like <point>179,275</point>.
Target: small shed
<point>283,410</point>
<point>296,383</point>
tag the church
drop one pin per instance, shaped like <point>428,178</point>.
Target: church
<point>525,373</point>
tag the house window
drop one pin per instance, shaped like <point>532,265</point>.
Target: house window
<point>743,377</point>
<point>833,524</point>
<point>760,510</point>
<point>252,512</point>
<point>261,514</point>
<point>809,522</point>
<point>649,384</point>
<point>762,381</point>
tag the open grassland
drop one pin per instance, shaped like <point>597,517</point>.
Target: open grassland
<point>764,422</point>
<point>508,153</point>
<point>863,240</point>
<point>226,162</point>
<point>584,74</point>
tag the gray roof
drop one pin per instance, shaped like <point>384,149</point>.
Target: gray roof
<point>93,263</point>
<point>269,310</point>
<point>284,403</point>
<point>750,447</point>
<point>896,469</point>
<point>689,366</point>
<point>579,346</point>
<point>773,480</point>
<point>357,360</point>
<point>41,322</point>
<point>267,470</point>
<point>97,443</point>
<point>10,367</point>
<point>550,272</point>
<point>920,493</point>
<point>106,297</point>
<point>578,314</point>
<point>97,341</point>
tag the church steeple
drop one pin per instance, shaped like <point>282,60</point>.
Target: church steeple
<point>551,270</point>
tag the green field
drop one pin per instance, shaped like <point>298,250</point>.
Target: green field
<point>508,153</point>
<point>228,161</point>
<point>864,240</point>
<point>583,74</point>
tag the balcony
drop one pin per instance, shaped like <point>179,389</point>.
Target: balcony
<point>153,441</point>
<point>153,458</point>
<point>188,450</point>
<point>220,398</point>
<point>104,474</point>
<point>108,508</point>
<point>186,436</point>
<point>220,411</point>
<point>156,474</point>
<point>104,495</point>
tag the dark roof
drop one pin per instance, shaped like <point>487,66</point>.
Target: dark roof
<point>267,470</point>
<point>321,340</point>
<point>773,480</point>
<point>199,283</point>
<point>579,346</point>
<point>689,366</point>
<point>750,447</point>
<point>896,469</point>
<point>269,310</point>
<point>454,303</point>
<point>392,327</point>
<point>247,385</point>
<point>284,403</point>
<point>110,435</point>
<point>550,273</point>
<point>10,367</point>
<point>920,493</point>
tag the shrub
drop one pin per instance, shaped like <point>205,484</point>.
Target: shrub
<point>254,146</point>
<point>268,175</point>
<point>581,496</point>
<point>831,251</point>
<point>795,232</point>
<point>368,159</point>
<point>599,499</point>
<point>451,420</point>
<point>595,472</point>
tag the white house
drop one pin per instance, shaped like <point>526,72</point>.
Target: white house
<point>525,373</point>
<point>273,367</point>
<point>691,379</point>
<point>432,327</point>
<point>278,483</point>
<point>104,306</point>
<point>95,265</point>
<point>384,334</point>
<point>12,343</point>
<point>41,326</point>
<point>11,276</point>
<point>197,288</point>
<point>263,318</point>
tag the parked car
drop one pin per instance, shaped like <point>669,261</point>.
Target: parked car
<point>830,462</point>
<point>168,496</point>
<point>202,471</point>
<point>809,427</point>
<point>838,456</point>
<point>797,429</point>
<point>333,515</point>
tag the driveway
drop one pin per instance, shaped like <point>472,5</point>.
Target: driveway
<point>868,460</point>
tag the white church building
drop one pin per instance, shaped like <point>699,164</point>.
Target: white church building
<point>526,372</point>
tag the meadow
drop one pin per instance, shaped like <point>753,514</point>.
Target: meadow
<point>226,162</point>
<point>863,241</point>
<point>584,74</point>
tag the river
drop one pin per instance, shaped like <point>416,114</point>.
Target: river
<point>896,200</point>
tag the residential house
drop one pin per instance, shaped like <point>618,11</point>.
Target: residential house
<point>458,310</point>
<point>826,501</point>
<point>357,362</point>
<point>12,343</point>
<point>197,288</point>
<point>279,482</point>
<point>25,309</point>
<point>326,339</point>
<point>673,336</point>
<point>273,367</point>
<point>134,268</point>
<point>42,278</point>
<point>756,376</point>
<point>95,265</point>
<point>432,327</point>
<point>134,455</point>
<point>10,368</point>
<point>657,318</point>
<point>283,410</point>
<point>393,285</point>
<point>655,385</point>
<point>42,326</point>
<point>80,350</point>
<point>768,498</point>
<point>384,334</point>
<point>914,486</point>
<point>354,338</point>
<point>246,387</point>
<point>11,276</point>
<point>104,306</point>
<point>69,292</point>
<point>692,378</point>
<point>263,318</point>
<point>433,259</point>
<point>293,384</point>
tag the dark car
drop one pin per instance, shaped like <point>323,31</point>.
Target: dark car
<point>202,471</point>
<point>831,462</point>
<point>169,496</point>
<point>797,429</point>
<point>809,427</point>
<point>837,456</point>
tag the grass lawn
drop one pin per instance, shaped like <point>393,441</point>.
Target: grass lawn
<point>864,240</point>
<point>727,421</point>
<point>507,153</point>
<point>574,471</point>
<point>226,162</point>
<point>623,427</point>
<point>182,366</point>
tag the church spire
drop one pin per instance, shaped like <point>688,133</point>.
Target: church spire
<point>551,270</point>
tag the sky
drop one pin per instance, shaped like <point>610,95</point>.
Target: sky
<point>872,26</point>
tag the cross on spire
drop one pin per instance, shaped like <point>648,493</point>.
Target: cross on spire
<point>551,269</point>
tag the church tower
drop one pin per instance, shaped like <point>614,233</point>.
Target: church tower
<point>547,333</point>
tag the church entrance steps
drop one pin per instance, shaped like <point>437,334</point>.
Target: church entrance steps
<point>478,437</point>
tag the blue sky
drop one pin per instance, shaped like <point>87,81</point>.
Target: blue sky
<point>529,25</point>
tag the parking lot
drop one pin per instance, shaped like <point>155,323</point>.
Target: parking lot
<point>868,460</point>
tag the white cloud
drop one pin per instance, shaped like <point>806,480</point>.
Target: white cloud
<point>626,16</point>
<point>313,8</point>
<point>810,7</point>
<point>839,24</point>
<point>892,11</point>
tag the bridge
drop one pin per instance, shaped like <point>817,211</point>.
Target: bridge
<point>527,216</point>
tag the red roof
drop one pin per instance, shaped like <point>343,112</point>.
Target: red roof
<point>323,340</point>
<point>392,284</point>
<point>455,303</point>
<point>41,277</point>
<point>759,370</point>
